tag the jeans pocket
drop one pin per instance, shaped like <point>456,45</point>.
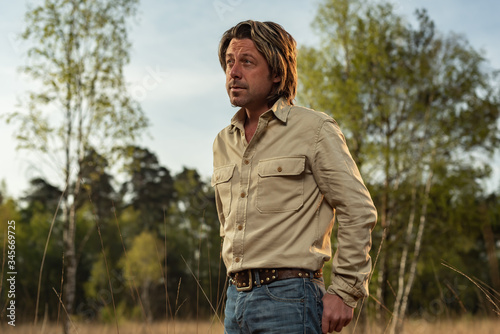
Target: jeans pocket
<point>315,304</point>
<point>288,290</point>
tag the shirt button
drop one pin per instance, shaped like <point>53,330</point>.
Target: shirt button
<point>240,227</point>
<point>242,195</point>
<point>237,260</point>
<point>246,162</point>
<point>280,169</point>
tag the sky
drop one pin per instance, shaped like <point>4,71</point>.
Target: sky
<point>176,76</point>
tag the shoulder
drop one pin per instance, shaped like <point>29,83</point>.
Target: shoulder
<point>224,133</point>
<point>309,116</point>
<point>320,123</point>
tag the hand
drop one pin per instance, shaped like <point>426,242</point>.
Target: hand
<point>336,314</point>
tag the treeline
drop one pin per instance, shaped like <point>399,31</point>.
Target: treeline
<point>154,239</point>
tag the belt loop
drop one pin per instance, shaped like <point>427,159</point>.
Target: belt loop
<point>256,277</point>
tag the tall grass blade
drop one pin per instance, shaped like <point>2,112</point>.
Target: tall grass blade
<point>106,265</point>
<point>483,290</point>
<point>43,256</point>
<point>384,235</point>
<point>64,308</point>
<point>133,287</point>
<point>202,290</point>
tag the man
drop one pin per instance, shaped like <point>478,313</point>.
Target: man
<point>281,173</point>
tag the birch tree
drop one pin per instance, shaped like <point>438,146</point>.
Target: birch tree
<point>77,50</point>
<point>410,101</point>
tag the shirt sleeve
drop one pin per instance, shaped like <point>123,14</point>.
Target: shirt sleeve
<point>340,182</point>
<point>218,200</point>
<point>222,219</point>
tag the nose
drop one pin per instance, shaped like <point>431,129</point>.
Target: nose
<point>235,71</point>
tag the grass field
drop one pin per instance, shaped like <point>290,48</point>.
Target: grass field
<point>458,326</point>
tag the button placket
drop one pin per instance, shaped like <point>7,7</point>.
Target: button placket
<point>242,204</point>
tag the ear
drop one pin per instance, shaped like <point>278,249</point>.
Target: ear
<point>276,78</point>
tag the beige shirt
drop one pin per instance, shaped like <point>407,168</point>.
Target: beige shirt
<point>277,197</point>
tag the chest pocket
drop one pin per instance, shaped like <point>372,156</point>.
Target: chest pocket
<point>280,184</point>
<point>221,181</point>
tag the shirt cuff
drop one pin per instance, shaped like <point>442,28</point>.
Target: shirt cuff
<point>349,295</point>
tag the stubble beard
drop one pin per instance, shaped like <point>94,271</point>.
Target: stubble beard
<point>237,100</point>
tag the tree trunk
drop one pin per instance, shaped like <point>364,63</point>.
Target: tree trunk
<point>69,287</point>
<point>70,256</point>
<point>489,241</point>
<point>385,221</point>
<point>418,244</point>
<point>402,265</point>
<point>69,224</point>
<point>70,268</point>
<point>381,286</point>
<point>146,300</point>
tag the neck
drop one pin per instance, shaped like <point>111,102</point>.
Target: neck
<point>253,113</point>
<point>253,116</point>
<point>251,122</point>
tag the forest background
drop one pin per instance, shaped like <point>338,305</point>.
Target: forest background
<point>110,230</point>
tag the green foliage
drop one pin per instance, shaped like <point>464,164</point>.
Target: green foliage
<point>130,224</point>
<point>77,52</point>
<point>42,194</point>
<point>143,262</point>
<point>387,83</point>
<point>143,267</point>
<point>98,278</point>
<point>192,230</point>
<point>8,211</point>
<point>109,315</point>
<point>415,106</point>
<point>32,227</point>
<point>97,185</point>
<point>149,188</point>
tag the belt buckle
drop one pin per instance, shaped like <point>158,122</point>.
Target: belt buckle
<point>250,283</point>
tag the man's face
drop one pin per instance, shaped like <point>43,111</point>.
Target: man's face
<point>248,81</point>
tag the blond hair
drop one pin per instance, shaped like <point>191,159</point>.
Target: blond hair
<point>276,45</point>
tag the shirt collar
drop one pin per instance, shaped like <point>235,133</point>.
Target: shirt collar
<point>280,109</point>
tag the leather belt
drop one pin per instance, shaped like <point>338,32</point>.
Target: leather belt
<point>246,280</point>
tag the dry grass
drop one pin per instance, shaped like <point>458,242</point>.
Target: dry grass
<point>459,326</point>
<point>420,326</point>
<point>171,327</point>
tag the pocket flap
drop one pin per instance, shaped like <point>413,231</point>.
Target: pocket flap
<point>222,174</point>
<point>282,166</point>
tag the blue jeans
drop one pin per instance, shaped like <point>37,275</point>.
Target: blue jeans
<point>287,306</point>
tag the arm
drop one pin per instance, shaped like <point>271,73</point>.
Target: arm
<point>339,180</point>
